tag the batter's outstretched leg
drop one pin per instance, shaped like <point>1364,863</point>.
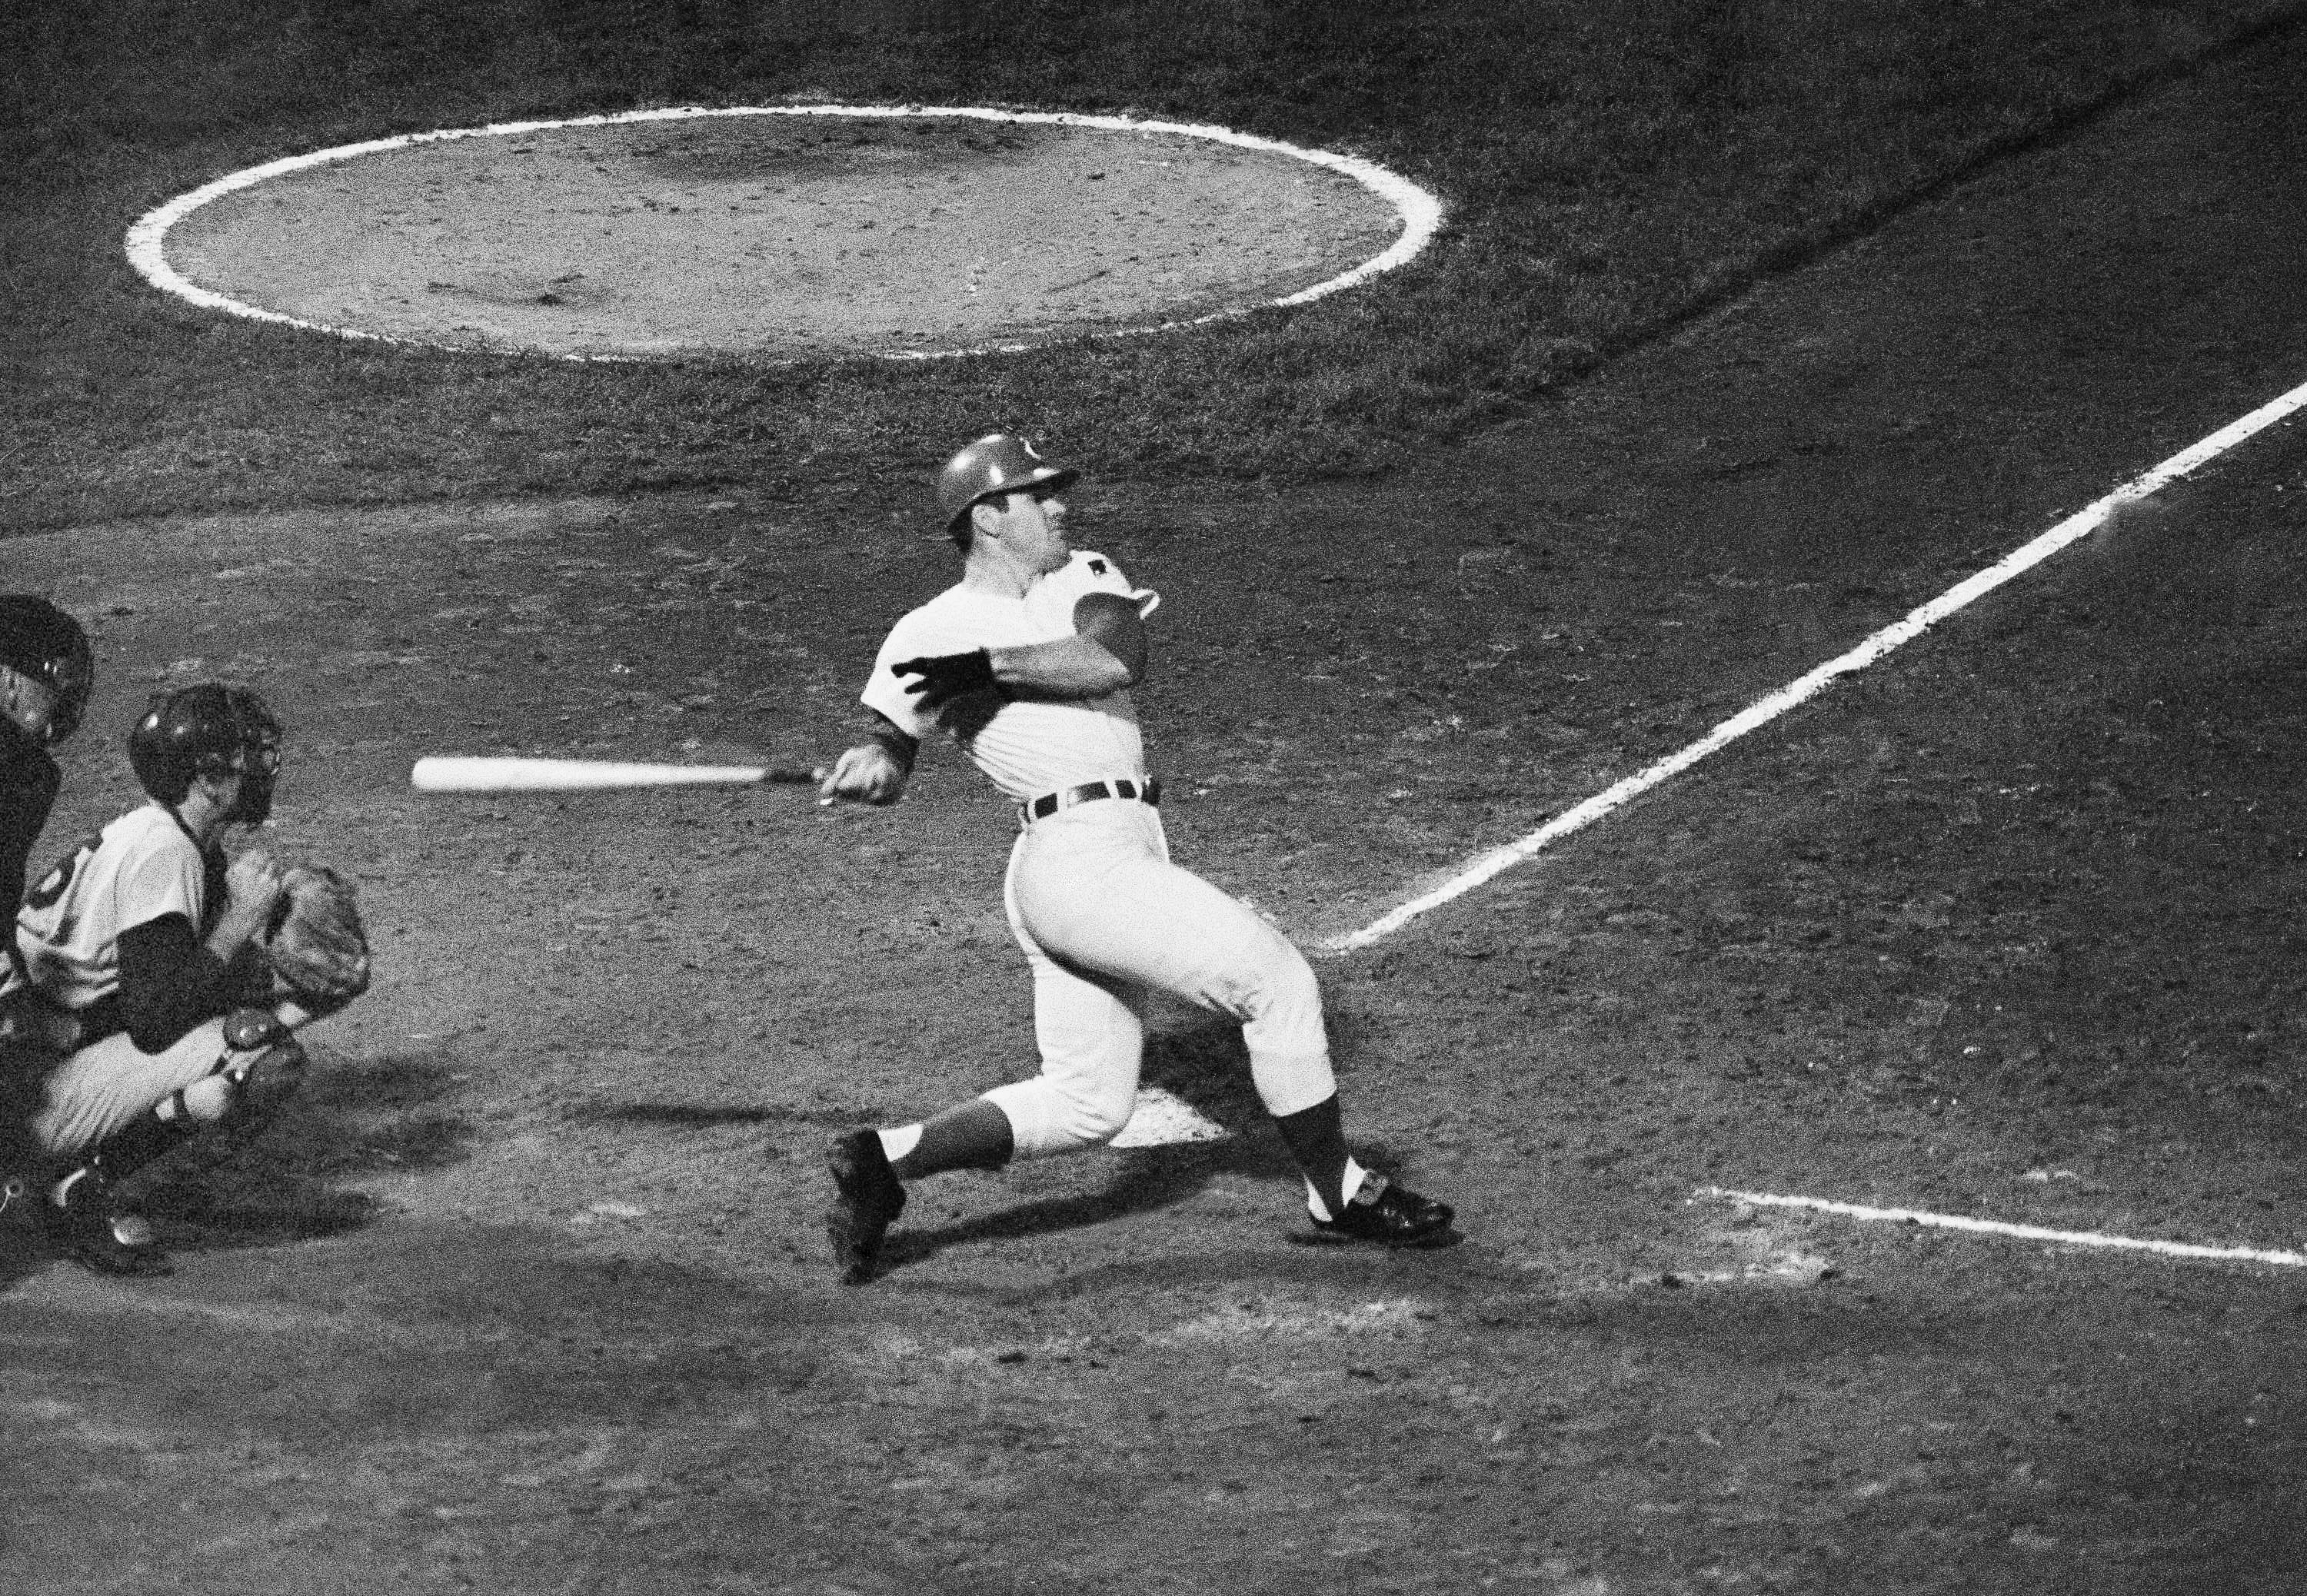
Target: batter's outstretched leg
<point>868,1190</point>
<point>1094,900</point>
<point>867,1198</point>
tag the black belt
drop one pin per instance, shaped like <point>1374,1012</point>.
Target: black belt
<point>1050,803</point>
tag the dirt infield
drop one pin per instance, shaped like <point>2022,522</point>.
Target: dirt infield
<point>782,235</point>
<point>528,1297</point>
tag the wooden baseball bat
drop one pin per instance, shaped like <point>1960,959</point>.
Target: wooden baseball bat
<point>459,772</point>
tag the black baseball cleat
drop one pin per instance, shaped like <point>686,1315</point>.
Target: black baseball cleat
<point>867,1198</point>
<point>1386,1214</point>
<point>85,1228</point>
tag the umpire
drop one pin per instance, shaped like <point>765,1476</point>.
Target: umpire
<point>46,672</point>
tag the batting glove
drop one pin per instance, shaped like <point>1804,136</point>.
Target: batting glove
<point>947,677</point>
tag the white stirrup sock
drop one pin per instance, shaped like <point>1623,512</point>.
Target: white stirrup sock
<point>1320,1207</point>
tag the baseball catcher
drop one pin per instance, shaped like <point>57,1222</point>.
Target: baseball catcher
<point>155,986</point>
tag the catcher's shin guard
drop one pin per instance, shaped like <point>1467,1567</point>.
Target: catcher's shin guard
<point>239,1089</point>
<point>264,1084</point>
<point>211,1119</point>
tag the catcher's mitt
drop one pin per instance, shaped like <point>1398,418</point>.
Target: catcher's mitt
<point>318,947</point>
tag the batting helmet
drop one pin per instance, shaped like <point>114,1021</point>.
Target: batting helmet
<point>207,730</point>
<point>997,463</point>
<point>43,644</point>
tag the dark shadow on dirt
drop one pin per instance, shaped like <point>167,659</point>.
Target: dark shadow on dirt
<point>1209,1070</point>
<point>692,1115</point>
<point>24,1252</point>
<point>360,1117</point>
<point>1149,1178</point>
<point>1440,1271</point>
<point>353,1118</point>
<point>412,1331</point>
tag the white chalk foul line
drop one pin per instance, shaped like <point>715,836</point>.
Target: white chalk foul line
<point>2024,1232</point>
<point>1761,713</point>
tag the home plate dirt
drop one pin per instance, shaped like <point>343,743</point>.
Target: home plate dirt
<point>780,235</point>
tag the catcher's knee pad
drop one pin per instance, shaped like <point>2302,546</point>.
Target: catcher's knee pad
<point>239,1092</point>
<point>247,1029</point>
<point>268,1079</point>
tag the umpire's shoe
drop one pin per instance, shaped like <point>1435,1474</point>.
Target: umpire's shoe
<point>1389,1216</point>
<point>81,1223</point>
<point>867,1198</point>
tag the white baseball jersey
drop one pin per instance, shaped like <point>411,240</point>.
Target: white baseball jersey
<point>1030,747</point>
<point>140,868</point>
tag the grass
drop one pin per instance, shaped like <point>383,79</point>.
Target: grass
<point>1610,167</point>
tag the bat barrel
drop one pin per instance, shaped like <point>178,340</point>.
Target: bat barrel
<point>495,773</point>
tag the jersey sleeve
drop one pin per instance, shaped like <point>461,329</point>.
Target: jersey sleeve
<point>1056,594</point>
<point>915,635</point>
<point>155,881</point>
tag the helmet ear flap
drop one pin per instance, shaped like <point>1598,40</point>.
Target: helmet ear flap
<point>72,676</point>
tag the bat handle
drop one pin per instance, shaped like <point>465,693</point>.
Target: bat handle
<point>792,775</point>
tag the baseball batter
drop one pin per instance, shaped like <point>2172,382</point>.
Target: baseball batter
<point>133,991</point>
<point>1027,662</point>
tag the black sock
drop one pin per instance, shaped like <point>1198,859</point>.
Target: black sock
<point>1317,1139</point>
<point>977,1135</point>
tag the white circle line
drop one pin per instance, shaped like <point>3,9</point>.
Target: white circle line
<point>1483,867</point>
<point>1998,1227</point>
<point>1421,211</point>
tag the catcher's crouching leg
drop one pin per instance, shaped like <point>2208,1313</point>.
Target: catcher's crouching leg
<point>247,1090</point>
<point>223,1109</point>
<point>100,1128</point>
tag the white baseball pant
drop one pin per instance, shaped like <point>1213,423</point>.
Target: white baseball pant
<point>1107,923</point>
<point>103,1088</point>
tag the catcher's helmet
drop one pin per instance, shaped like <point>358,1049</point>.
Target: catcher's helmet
<point>997,463</point>
<point>207,730</point>
<point>43,644</point>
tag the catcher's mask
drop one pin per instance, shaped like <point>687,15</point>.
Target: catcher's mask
<point>209,730</point>
<point>996,464</point>
<point>43,646</point>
